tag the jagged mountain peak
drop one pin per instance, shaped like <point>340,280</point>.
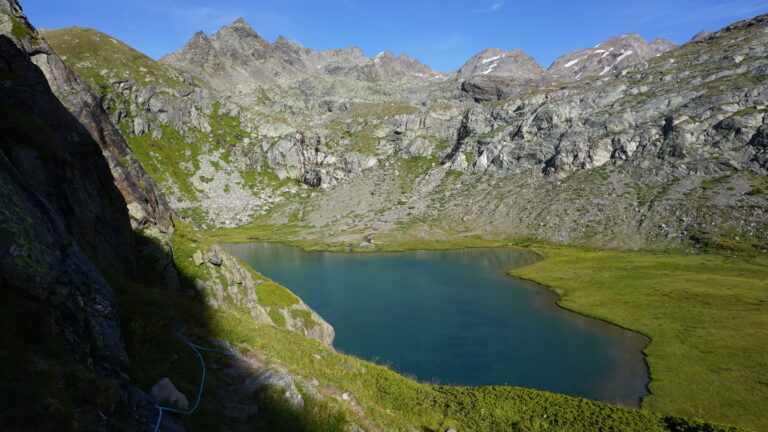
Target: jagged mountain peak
<point>284,44</point>
<point>240,22</point>
<point>514,64</point>
<point>354,50</point>
<point>699,36</point>
<point>608,57</point>
<point>240,25</point>
<point>199,39</point>
<point>238,29</point>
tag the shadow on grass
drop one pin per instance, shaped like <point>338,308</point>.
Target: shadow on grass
<point>157,322</point>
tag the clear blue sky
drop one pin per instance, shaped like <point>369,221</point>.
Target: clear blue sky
<point>441,33</point>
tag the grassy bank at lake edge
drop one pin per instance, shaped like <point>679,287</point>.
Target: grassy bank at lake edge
<point>706,315</point>
<point>315,240</point>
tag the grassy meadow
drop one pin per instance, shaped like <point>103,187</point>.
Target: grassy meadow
<point>706,315</point>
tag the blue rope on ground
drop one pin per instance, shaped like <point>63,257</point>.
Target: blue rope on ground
<point>197,349</point>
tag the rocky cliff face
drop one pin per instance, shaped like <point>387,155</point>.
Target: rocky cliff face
<point>78,206</point>
<point>66,171</point>
<point>62,219</point>
<point>149,211</point>
<point>148,206</point>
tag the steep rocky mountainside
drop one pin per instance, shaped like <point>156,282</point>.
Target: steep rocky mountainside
<point>664,150</point>
<point>61,221</point>
<point>609,57</point>
<point>81,224</point>
<point>222,281</point>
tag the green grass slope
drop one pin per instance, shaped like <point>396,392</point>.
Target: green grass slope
<point>88,51</point>
<point>706,316</point>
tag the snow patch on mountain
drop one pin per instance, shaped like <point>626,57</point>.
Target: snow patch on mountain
<point>491,59</point>
<point>622,56</point>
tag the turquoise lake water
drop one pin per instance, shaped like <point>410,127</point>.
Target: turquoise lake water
<point>454,317</point>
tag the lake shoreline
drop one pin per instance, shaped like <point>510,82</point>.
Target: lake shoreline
<point>546,301</point>
<point>551,298</point>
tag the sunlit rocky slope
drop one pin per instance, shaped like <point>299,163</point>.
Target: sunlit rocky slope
<point>652,146</point>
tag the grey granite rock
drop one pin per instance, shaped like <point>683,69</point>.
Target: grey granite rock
<point>279,381</point>
<point>166,394</point>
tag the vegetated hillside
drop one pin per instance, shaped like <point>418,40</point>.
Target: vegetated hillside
<point>662,153</point>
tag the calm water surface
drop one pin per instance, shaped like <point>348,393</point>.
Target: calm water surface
<point>454,317</point>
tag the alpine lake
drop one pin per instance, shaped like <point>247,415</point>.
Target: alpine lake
<point>455,317</point>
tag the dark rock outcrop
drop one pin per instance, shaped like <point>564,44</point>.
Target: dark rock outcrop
<point>312,178</point>
<point>147,205</point>
<point>64,223</point>
<point>61,217</point>
<point>67,170</point>
<point>148,210</point>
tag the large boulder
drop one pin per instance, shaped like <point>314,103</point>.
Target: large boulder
<point>166,394</point>
<point>280,381</point>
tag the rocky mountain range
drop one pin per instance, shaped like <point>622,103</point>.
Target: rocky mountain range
<point>238,53</point>
<point>231,126</point>
<point>240,50</point>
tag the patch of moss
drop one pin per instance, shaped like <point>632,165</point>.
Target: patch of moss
<point>276,317</point>
<point>275,296</point>
<point>21,31</point>
<point>304,316</point>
